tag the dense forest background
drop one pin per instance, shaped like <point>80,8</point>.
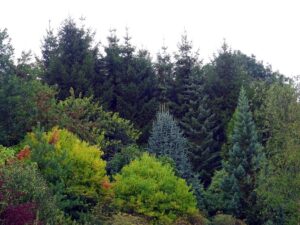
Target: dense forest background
<point>108,134</point>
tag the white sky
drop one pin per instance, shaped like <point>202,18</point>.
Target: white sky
<point>268,29</point>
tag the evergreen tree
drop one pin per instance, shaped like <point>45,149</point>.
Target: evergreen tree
<point>70,59</point>
<point>130,86</point>
<point>112,62</point>
<point>6,53</point>
<point>186,67</point>
<point>164,73</point>
<point>200,127</point>
<point>167,139</point>
<point>189,104</point>
<point>243,164</point>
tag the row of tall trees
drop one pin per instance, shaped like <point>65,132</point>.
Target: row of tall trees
<point>125,80</point>
<point>229,127</point>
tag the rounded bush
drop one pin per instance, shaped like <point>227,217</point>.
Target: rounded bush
<point>149,188</point>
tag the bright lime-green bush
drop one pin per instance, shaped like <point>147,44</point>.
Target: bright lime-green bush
<point>149,188</point>
<point>73,168</point>
<point>63,157</point>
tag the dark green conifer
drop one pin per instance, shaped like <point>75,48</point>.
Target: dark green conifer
<point>130,85</point>
<point>70,59</point>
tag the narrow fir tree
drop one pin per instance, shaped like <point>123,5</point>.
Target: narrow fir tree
<point>243,164</point>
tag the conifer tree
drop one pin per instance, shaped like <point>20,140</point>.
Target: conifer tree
<point>70,59</point>
<point>243,164</point>
<point>167,139</point>
<point>186,67</point>
<point>224,79</point>
<point>200,128</point>
<point>165,76</point>
<point>189,104</point>
<point>6,53</point>
<point>130,86</point>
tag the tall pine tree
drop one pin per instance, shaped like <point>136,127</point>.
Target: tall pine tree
<point>243,164</point>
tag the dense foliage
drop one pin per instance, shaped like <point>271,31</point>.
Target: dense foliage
<point>75,125</point>
<point>72,167</point>
<point>243,164</point>
<point>167,139</point>
<point>149,188</point>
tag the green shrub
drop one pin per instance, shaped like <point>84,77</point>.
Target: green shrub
<point>73,168</point>
<point>147,187</point>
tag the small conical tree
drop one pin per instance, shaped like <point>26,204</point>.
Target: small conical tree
<point>243,164</point>
<point>167,139</point>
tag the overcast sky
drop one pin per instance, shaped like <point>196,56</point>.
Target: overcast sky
<point>268,29</point>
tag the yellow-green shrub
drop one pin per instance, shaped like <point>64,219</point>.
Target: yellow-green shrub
<point>73,168</point>
<point>149,188</point>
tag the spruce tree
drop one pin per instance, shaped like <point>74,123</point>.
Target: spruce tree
<point>6,53</point>
<point>243,164</point>
<point>186,67</point>
<point>112,75</point>
<point>167,139</point>
<point>189,104</point>
<point>200,128</point>
<point>130,85</point>
<point>70,59</point>
<point>165,76</point>
<point>224,79</point>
